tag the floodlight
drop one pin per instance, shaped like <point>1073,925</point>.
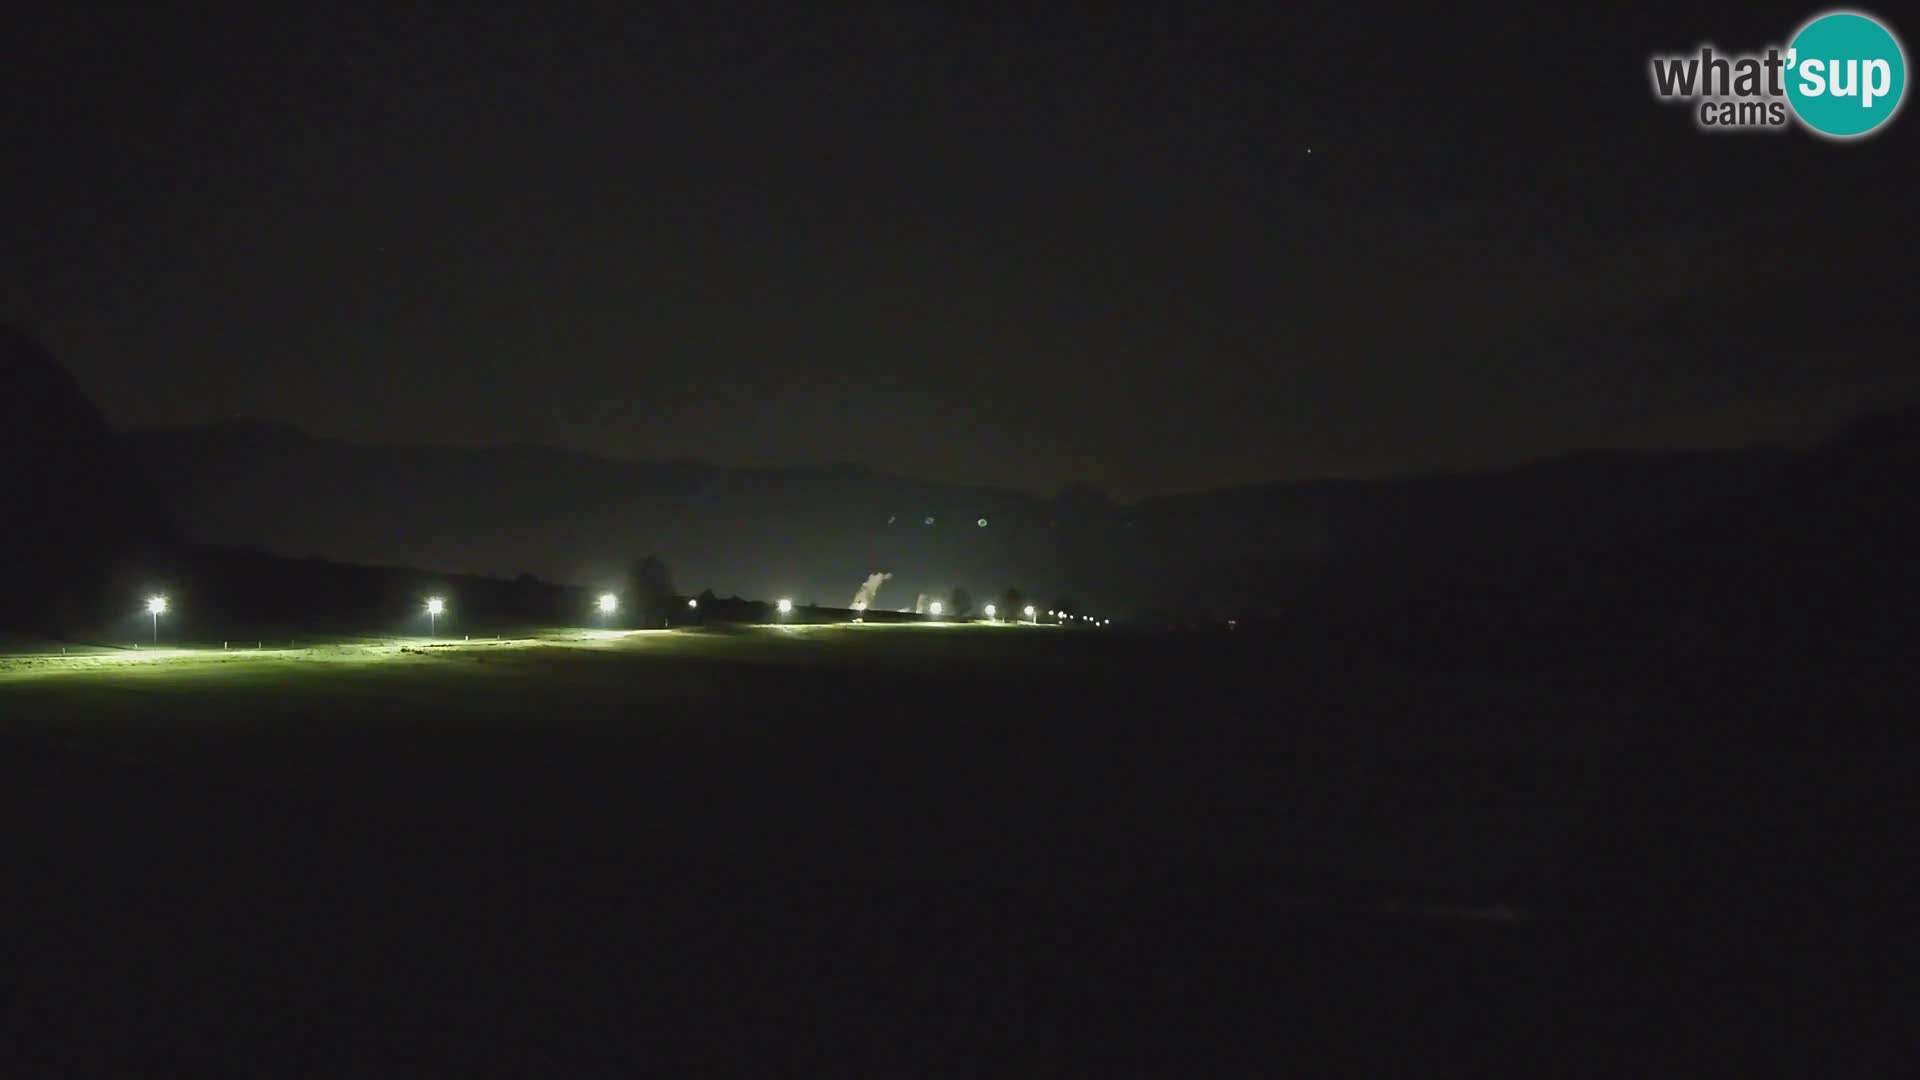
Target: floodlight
<point>693,603</point>
<point>436,606</point>
<point>1029,611</point>
<point>785,606</point>
<point>609,603</point>
<point>990,611</point>
<point>156,605</point>
<point>935,608</point>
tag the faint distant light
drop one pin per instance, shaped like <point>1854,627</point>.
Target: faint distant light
<point>982,523</point>
<point>991,611</point>
<point>936,608</point>
<point>785,605</point>
<point>928,520</point>
<point>609,603</point>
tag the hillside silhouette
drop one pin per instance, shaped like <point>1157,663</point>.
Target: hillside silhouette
<point>1802,549</point>
<point>1676,547</point>
<point>80,521</point>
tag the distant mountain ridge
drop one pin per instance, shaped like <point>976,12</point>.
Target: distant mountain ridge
<point>816,532</point>
<point>78,516</point>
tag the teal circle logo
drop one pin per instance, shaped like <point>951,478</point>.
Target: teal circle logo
<point>1846,74</point>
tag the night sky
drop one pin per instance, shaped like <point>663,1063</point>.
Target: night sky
<point>1151,248</point>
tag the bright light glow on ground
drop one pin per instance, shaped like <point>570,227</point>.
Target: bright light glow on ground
<point>211,660</point>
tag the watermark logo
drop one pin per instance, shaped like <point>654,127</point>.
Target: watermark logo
<point>1843,75</point>
<point>1851,72</point>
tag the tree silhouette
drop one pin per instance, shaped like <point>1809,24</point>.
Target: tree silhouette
<point>650,591</point>
<point>961,603</point>
<point>1012,604</point>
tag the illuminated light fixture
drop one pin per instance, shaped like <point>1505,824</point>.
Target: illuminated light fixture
<point>1029,611</point>
<point>156,607</point>
<point>991,610</point>
<point>982,523</point>
<point>785,605</point>
<point>609,603</point>
<point>934,609</point>
<point>693,605</point>
<point>435,608</point>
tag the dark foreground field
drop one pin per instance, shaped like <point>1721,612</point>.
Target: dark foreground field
<point>961,851</point>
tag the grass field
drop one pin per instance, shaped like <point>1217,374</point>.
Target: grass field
<point>942,851</point>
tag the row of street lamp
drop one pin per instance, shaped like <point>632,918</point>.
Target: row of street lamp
<point>609,604</point>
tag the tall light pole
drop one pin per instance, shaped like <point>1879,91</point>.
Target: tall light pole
<point>156,606</point>
<point>435,606</point>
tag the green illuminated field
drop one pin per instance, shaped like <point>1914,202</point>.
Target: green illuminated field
<point>630,844</point>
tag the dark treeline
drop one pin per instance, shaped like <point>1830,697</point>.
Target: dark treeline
<point>1599,546</point>
<point>1795,550</point>
<point>1765,549</point>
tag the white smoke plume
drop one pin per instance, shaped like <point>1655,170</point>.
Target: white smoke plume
<point>863,599</point>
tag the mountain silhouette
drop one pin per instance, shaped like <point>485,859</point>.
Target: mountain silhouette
<point>80,522</point>
<point>812,533</point>
<point>1593,541</point>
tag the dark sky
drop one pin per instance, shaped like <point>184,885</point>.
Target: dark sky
<point>1015,247</point>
